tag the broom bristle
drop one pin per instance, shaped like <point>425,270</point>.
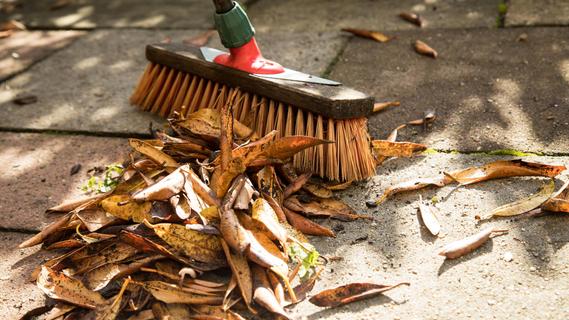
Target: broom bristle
<point>165,90</point>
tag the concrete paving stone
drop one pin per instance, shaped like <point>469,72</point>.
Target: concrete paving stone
<point>36,173</point>
<point>537,13</point>
<point>18,294</point>
<point>181,14</point>
<point>24,48</point>
<point>86,87</point>
<point>319,16</point>
<point>482,285</point>
<point>489,90</point>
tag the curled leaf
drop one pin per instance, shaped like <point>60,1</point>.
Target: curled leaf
<point>286,147</point>
<point>169,186</point>
<point>429,218</point>
<point>263,293</point>
<point>503,169</point>
<point>350,293</point>
<point>412,17</point>
<point>264,213</point>
<point>307,226</point>
<point>559,202</point>
<point>380,106</point>
<point>461,247</point>
<point>415,184</point>
<point>369,34</point>
<point>153,153</point>
<point>385,148</point>
<point>523,205</point>
<point>425,49</point>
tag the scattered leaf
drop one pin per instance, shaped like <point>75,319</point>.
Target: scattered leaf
<point>462,247</point>
<point>25,99</point>
<point>523,205</point>
<point>412,17</point>
<point>502,169</point>
<point>425,49</point>
<point>380,106</point>
<point>350,293</point>
<point>317,190</point>
<point>385,148</point>
<point>428,217</point>
<point>414,184</point>
<point>369,34</point>
<point>559,201</point>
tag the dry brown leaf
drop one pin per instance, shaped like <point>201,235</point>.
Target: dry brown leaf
<point>122,207</point>
<point>318,190</point>
<point>286,147</point>
<point>42,235</point>
<point>263,293</point>
<point>100,277</point>
<point>369,34</point>
<point>425,49</point>
<point>264,213</point>
<point>164,189</point>
<point>339,186</point>
<point>412,17</point>
<point>523,205</point>
<point>331,208</point>
<point>12,25</point>
<point>428,117</point>
<point>241,271</point>
<point>201,39</point>
<point>461,247</point>
<point>206,123</point>
<point>111,310</point>
<point>380,106</point>
<point>350,293</point>
<point>307,226</point>
<point>385,148</point>
<point>559,201</point>
<point>410,185</point>
<point>96,218</point>
<point>75,203</point>
<point>245,196</point>
<point>428,217</point>
<point>502,169</point>
<point>171,293</point>
<point>296,185</point>
<point>58,286</point>
<point>200,246</point>
<point>154,154</point>
<point>112,253</point>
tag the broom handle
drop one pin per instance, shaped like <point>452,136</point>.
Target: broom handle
<point>222,6</point>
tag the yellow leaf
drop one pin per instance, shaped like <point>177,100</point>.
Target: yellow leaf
<point>385,148</point>
<point>524,205</point>
<point>122,207</point>
<point>154,154</point>
<point>194,244</point>
<point>59,286</point>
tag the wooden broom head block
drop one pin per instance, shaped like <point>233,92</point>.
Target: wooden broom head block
<point>336,102</point>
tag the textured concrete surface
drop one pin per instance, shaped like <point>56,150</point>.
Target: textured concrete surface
<point>18,294</point>
<point>537,13</point>
<point>36,173</point>
<point>320,16</point>
<point>24,48</point>
<point>86,88</point>
<point>481,285</point>
<point>116,14</point>
<point>489,90</point>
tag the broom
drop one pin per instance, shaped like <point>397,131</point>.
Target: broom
<point>179,79</point>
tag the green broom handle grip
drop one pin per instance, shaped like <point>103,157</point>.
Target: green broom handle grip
<point>232,24</point>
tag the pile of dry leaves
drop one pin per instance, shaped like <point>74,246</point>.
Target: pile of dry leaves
<point>207,222</point>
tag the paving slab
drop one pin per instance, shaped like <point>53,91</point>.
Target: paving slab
<point>319,16</point>
<point>537,13</point>
<point>24,48</point>
<point>490,91</point>
<point>18,294</point>
<point>36,173</point>
<point>87,14</point>
<point>482,285</point>
<point>86,87</point>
